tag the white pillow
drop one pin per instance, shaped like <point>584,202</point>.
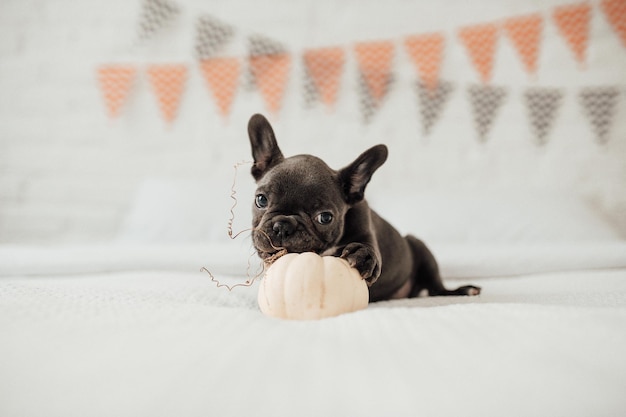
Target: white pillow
<point>493,217</point>
<point>166,211</point>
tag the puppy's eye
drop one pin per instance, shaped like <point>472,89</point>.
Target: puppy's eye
<point>260,201</point>
<point>324,218</point>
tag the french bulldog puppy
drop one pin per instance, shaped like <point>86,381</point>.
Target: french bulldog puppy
<point>302,205</point>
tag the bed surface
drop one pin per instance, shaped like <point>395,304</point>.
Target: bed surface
<point>162,343</point>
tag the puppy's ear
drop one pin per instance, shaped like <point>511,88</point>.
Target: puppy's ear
<point>265,150</point>
<point>357,175</point>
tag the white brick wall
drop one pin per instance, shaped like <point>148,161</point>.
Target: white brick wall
<point>67,173</point>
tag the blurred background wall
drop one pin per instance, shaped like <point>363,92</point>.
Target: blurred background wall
<point>72,172</point>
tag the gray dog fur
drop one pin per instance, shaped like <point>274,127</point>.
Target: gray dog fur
<point>302,205</point>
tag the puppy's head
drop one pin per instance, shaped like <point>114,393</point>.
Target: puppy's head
<point>301,203</point>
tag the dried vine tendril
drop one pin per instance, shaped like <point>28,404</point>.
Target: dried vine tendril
<point>232,235</point>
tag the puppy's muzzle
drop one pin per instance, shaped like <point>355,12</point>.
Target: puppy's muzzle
<point>284,226</point>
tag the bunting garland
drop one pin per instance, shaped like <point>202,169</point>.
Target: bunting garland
<point>426,52</point>
<point>599,105</point>
<point>374,60</point>
<point>485,101</point>
<point>573,22</point>
<point>115,83</point>
<point>525,34</point>
<point>431,102</point>
<point>323,70</point>
<point>269,63</point>
<point>480,42</point>
<point>168,82</point>
<point>155,15</point>
<point>542,105</point>
<point>615,12</point>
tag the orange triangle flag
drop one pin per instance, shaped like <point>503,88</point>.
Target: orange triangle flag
<point>426,51</point>
<point>325,66</point>
<point>615,11</point>
<point>221,76</point>
<point>525,33</point>
<point>375,60</point>
<point>270,74</point>
<point>573,21</point>
<point>168,82</point>
<point>480,41</point>
<point>115,83</point>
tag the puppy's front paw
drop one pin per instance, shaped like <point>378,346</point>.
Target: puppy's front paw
<point>364,259</point>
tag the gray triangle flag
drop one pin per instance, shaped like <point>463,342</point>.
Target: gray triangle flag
<point>156,14</point>
<point>310,92</point>
<point>369,104</point>
<point>485,101</point>
<point>211,36</point>
<point>431,102</point>
<point>599,105</point>
<point>542,105</point>
<point>262,45</point>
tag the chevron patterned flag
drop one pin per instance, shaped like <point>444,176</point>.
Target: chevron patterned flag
<point>168,82</point>
<point>542,105</point>
<point>600,105</point>
<point>155,15</point>
<point>573,22</point>
<point>115,83</point>
<point>259,45</point>
<point>615,12</point>
<point>211,36</point>
<point>322,74</point>
<point>375,77</point>
<point>480,42</point>
<point>269,64</point>
<point>426,52</point>
<point>525,34</point>
<point>485,101</point>
<point>222,77</point>
<point>432,102</point>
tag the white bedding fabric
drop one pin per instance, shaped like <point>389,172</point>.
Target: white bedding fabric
<point>231,258</point>
<point>148,342</point>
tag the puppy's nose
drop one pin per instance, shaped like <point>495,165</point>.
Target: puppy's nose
<point>283,228</point>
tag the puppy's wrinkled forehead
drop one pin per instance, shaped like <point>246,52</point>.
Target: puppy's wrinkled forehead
<point>298,175</point>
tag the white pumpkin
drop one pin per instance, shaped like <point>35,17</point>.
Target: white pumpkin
<point>306,286</point>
